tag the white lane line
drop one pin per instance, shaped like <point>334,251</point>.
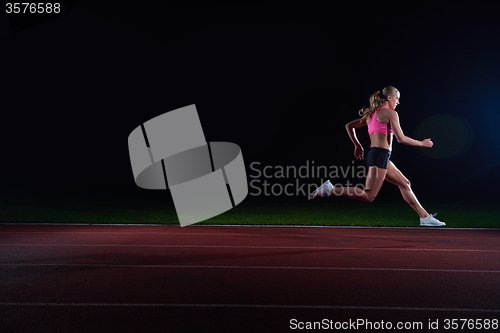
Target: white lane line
<point>240,234</point>
<point>265,306</point>
<point>244,226</point>
<point>258,267</point>
<point>247,247</point>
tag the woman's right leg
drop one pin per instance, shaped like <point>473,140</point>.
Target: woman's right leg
<point>395,177</point>
<point>374,180</point>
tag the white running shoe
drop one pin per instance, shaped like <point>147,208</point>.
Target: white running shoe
<point>325,189</point>
<point>431,221</point>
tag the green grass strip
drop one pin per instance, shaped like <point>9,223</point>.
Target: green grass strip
<point>252,211</point>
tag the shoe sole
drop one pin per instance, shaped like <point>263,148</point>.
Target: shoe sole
<point>431,225</point>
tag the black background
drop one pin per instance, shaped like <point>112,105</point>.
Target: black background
<point>278,78</point>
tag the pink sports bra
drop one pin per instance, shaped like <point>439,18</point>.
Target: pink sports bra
<point>374,126</point>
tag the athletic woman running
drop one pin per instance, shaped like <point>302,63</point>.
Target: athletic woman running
<point>383,123</point>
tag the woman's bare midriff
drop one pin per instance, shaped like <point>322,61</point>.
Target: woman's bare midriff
<point>381,140</point>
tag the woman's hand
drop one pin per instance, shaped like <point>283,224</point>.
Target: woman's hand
<point>359,152</point>
<point>427,143</point>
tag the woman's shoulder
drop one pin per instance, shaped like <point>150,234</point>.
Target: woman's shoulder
<point>386,112</point>
<point>385,115</point>
<point>385,109</point>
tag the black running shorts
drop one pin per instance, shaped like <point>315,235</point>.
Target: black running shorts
<point>378,157</point>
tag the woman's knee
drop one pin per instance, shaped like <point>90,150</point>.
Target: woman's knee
<point>370,196</point>
<point>404,184</point>
<point>400,181</point>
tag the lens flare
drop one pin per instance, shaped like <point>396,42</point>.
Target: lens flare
<point>452,136</point>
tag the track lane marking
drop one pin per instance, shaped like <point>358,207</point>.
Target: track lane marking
<point>258,267</point>
<point>266,306</point>
<point>249,247</point>
<point>240,234</point>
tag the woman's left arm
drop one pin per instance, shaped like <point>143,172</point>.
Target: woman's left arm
<point>403,139</point>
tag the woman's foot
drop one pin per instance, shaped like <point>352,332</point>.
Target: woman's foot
<point>325,189</point>
<point>431,221</point>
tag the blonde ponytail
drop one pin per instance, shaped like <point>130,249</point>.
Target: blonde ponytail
<point>377,100</point>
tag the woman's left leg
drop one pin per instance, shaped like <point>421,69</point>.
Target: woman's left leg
<point>395,177</point>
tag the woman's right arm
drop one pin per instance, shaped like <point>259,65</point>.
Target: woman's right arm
<point>350,128</point>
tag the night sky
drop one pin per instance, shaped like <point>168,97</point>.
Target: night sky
<point>279,78</point>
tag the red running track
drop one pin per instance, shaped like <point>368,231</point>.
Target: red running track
<point>245,279</point>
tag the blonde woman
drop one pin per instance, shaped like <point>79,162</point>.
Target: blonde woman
<point>383,123</point>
